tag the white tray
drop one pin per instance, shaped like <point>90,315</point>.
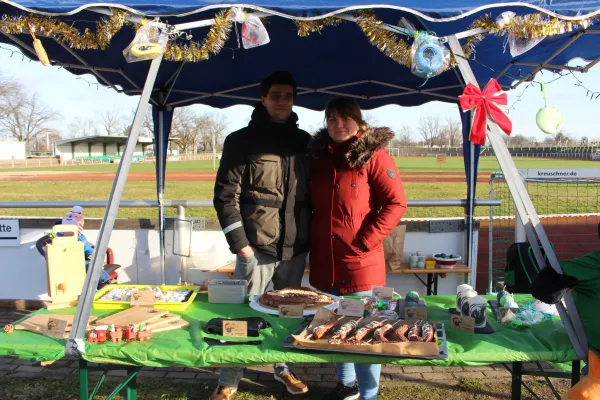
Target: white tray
<point>255,305</point>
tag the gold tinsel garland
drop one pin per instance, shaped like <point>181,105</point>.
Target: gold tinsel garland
<point>65,33</point>
<point>305,28</point>
<point>530,26</point>
<point>386,41</point>
<point>214,42</point>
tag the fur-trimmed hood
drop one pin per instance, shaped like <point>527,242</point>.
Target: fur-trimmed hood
<point>360,150</point>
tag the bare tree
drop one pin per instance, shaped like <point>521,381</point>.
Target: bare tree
<point>211,125</point>
<point>24,116</point>
<point>562,138</point>
<point>185,130</point>
<point>430,129</point>
<point>370,119</point>
<point>404,136</point>
<point>111,122</point>
<point>147,126</point>
<point>45,143</point>
<point>8,89</point>
<point>83,127</point>
<point>451,134</point>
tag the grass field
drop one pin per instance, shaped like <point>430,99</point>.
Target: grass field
<point>26,191</point>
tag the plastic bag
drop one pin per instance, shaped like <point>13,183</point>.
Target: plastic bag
<point>254,33</point>
<point>429,56</point>
<point>545,308</point>
<point>148,44</point>
<point>517,46</point>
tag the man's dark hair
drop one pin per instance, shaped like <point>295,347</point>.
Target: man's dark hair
<point>277,78</point>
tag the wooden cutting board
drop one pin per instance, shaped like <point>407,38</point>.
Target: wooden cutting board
<point>164,319</point>
<point>170,325</point>
<point>39,322</point>
<point>133,315</point>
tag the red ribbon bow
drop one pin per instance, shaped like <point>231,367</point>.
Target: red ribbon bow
<point>485,105</point>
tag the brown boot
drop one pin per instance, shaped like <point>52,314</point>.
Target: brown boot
<point>292,383</point>
<point>223,393</point>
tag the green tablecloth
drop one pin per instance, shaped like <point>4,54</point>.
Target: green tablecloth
<point>544,342</point>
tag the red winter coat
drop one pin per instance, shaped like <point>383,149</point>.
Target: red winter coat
<point>357,199</point>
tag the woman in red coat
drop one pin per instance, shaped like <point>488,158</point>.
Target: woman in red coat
<point>357,200</point>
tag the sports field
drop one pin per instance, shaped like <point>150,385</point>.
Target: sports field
<point>423,178</point>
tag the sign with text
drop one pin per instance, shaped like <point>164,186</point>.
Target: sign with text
<point>351,307</point>
<point>549,173</point>
<point>383,292</point>
<point>415,313</point>
<point>56,328</point>
<point>291,311</point>
<point>465,324</point>
<point>9,232</point>
<point>235,329</point>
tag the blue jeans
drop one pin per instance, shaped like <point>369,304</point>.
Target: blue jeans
<point>367,375</point>
<point>104,276</point>
<point>259,270</point>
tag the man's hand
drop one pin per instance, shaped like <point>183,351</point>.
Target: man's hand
<point>246,252</point>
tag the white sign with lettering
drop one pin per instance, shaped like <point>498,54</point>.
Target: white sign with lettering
<point>560,173</point>
<point>9,232</point>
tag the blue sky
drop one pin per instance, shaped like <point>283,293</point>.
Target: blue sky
<point>74,97</point>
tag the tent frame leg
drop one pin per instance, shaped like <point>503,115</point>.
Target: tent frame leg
<point>75,346</point>
<point>526,212</point>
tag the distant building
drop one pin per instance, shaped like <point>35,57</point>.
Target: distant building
<point>12,150</point>
<point>101,146</point>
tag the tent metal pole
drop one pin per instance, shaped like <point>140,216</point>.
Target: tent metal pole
<point>549,66</point>
<point>161,194</point>
<point>83,62</point>
<point>590,65</point>
<point>20,43</point>
<point>527,213</point>
<point>171,83</point>
<point>552,57</point>
<point>75,346</point>
<point>209,22</point>
<point>471,235</point>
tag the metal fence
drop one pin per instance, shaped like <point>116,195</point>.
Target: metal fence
<point>569,210</point>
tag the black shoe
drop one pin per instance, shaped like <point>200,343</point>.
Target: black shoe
<point>341,392</point>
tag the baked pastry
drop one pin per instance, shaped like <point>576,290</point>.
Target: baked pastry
<point>295,295</point>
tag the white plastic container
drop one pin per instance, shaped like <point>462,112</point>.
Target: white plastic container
<point>227,291</point>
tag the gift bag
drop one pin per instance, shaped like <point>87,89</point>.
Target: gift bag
<point>393,248</point>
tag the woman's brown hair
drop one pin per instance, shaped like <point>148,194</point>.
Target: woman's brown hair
<point>346,108</point>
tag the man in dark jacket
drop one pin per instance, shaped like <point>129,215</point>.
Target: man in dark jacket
<point>261,199</point>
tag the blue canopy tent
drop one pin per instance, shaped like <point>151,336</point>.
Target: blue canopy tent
<point>338,60</point>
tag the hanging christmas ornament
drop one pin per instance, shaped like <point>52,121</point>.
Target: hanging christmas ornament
<point>429,57</point>
<point>39,48</point>
<point>485,105</point>
<point>147,44</point>
<point>254,33</point>
<point>548,118</point>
